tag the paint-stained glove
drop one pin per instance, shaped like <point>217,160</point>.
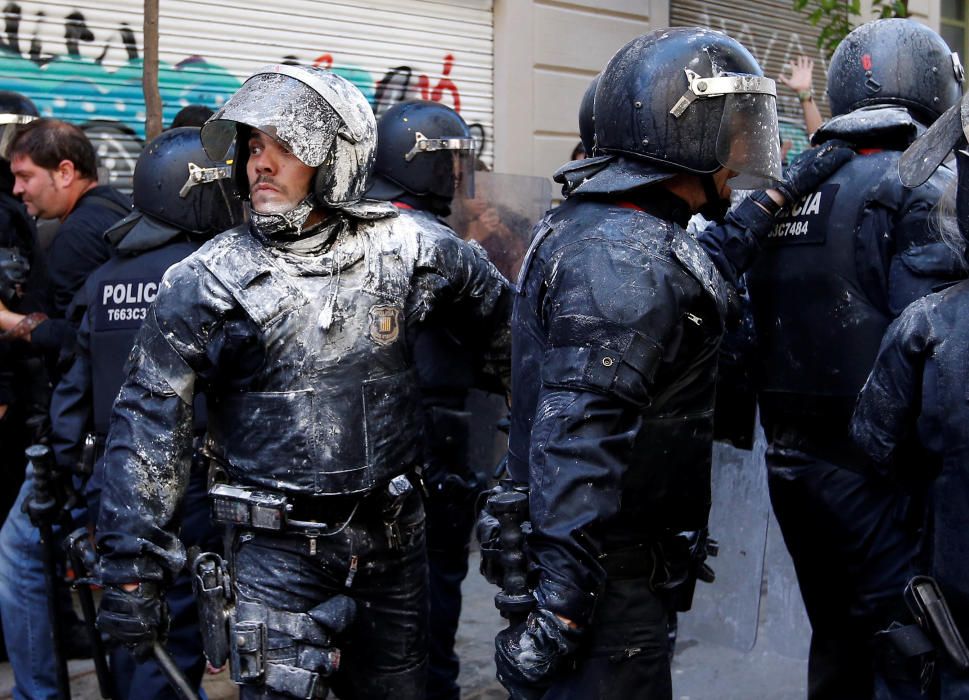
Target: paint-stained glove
<point>136,618</point>
<point>533,652</point>
<point>812,167</point>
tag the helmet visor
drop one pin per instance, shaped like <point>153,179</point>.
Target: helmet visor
<point>453,160</point>
<point>281,106</point>
<point>8,131</point>
<point>748,141</point>
<point>462,173</point>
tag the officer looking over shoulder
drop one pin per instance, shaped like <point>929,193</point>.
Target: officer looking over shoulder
<point>425,157</point>
<point>837,268</point>
<point>616,328</point>
<point>298,328</point>
<point>181,199</point>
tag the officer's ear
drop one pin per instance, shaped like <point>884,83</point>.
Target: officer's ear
<point>64,174</point>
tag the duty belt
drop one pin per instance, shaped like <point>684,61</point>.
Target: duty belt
<point>259,509</point>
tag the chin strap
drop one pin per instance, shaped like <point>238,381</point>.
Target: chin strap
<point>287,224</point>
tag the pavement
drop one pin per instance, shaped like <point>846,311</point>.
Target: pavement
<point>701,670</point>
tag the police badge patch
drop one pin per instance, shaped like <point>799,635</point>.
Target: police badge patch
<point>384,324</point>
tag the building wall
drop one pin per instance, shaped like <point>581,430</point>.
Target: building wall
<point>546,52</point>
<point>81,60</point>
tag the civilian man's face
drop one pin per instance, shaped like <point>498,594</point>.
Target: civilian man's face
<point>40,189</point>
<point>278,180</point>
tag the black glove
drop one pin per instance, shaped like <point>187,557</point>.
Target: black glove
<point>812,167</point>
<point>533,652</point>
<point>13,273</point>
<point>136,618</point>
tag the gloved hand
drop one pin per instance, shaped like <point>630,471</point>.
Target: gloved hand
<point>13,273</point>
<point>136,618</point>
<point>534,652</point>
<point>812,167</point>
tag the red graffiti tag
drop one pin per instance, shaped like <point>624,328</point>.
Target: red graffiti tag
<point>445,83</point>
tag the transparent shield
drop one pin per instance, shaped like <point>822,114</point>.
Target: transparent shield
<point>501,215</point>
<point>727,612</point>
<point>749,140</point>
<point>285,108</point>
<point>930,150</point>
<point>456,167</point>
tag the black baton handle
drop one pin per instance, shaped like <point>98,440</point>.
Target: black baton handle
<point>514,600</point>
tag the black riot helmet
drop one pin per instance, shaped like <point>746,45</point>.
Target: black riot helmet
<point>15,109</point>
<point>178,189</point>
<point>587,125</point>
<point>424,149</point>
<point>685,100</point>
<point>897,62</point>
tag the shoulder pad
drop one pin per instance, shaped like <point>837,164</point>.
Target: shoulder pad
<point>247,270</point>
<point>391,249</point>
<point>689,253</point>
<point>871,125</point>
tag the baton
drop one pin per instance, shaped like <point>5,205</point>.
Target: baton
<point>175,676</point>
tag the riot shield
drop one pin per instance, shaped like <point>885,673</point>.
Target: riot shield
<point>929,150</point>
<point>786,627</point>
<point>726,612</point>
<point>501,215</point>
<point>500,218</point>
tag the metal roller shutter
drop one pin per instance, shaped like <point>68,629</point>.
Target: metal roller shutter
<point>775,34</point>
<point>81,61</point>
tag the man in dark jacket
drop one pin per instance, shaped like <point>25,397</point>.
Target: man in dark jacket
<point>616,330</point>
<point>837,269</point>
<point>55,171</point>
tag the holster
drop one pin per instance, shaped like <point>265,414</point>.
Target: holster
<point>213,593</point>
<point>680,563</point>
<point>926,602</point>
<point>299,663</point>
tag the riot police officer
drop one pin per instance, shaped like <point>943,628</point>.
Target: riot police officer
<point>181,198</point>
<point>911,419</point>
<point>297,327</point>
<point>425,156</point>
<point>838,267</point>
<point>616,328</point>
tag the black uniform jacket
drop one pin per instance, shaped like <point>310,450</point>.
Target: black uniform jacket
<point>616,327</point>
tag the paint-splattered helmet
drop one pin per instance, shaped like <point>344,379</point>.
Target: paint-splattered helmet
<point>321,118</point>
